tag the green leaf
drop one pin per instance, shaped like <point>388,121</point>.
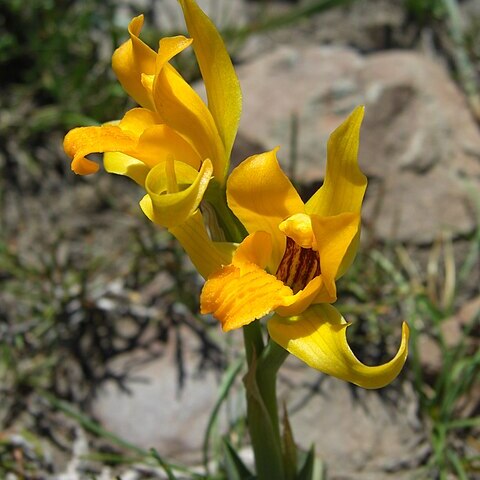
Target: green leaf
<point>265,439</point>
<point>163,464</point>
<point>289,448</point>
<point>312,468</point>
<point>227,382</point>
<point>234,466</point>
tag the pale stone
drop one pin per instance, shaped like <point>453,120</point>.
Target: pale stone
<point>359,434</point>
<point>158,413</point>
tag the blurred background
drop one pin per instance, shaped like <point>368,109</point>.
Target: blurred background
<point>103,354</point>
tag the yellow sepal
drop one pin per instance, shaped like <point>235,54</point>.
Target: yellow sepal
<point>183,110</point>
<point>221,82</point>
<point>82,141</point>
<point>261,196</point>
<point>131,60</point>
<point>344,184</point>
<point>334,235</point>
<point>318,337</point>
<point>168,47</point>
<point>159,142</point>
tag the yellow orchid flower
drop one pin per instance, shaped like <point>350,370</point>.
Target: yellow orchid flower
<point>173,144</point>
<point>292,256</point>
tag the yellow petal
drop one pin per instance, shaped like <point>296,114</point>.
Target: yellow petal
<point>169,47</point>
<point>122,164</point>
<point>238,296</point>
<point>172,209</point>
<point>344,184</point>
<point>184,111</point>
<point>334,235</point>
<point>207,256</point>
<point>131,60</point>
<point>82,141</point>
<point>159,142</point>
<point>318,337</point>
<point>256,248</point>
<point>261,196</point>
<point>349,256</point>
<point>221,82</point>
<point>137,120</point>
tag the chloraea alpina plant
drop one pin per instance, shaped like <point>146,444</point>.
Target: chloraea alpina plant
<point>264,252</point>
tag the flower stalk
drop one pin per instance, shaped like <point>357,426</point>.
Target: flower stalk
<point>263,363</point>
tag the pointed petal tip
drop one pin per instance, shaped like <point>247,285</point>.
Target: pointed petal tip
<point>356,116</point>
<point>136,24</point>
<point>405,337</point>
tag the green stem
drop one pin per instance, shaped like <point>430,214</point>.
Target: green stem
<point>263,364</point>
<point>270,362</point>
<point>262,409</point>
<point>253,341</point>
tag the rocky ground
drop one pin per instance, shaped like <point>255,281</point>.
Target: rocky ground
<point>154,376</point>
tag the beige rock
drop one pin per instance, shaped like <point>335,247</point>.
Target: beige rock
<point>158,413</point>
<point>359,434</point>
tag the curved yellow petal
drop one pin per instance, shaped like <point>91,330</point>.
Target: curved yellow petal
<point>183,110</point>
<point>137,120</point>
<point>334,235</point>
<point>122,164</point>
<point>168,48</point>
<point>82,141</point>
<point>318,337</point>
<point>159,142</point>
<point>261,196</point>
<point>344,184</point>
<point>171,209</point>
<point>207,256</point>
<point>236,296</point>
<point>255,248</point>
<point>221,82</point>
<point>131,60</point>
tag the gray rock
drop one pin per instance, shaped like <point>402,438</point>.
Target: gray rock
<point>357,433</point>
<point>158,414</point>
<point>420,146</point>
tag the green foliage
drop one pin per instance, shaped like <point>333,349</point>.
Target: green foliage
<point>59,52</point>
<point>424,10</point>
<point>55,74</point>
<point>235,469</point>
